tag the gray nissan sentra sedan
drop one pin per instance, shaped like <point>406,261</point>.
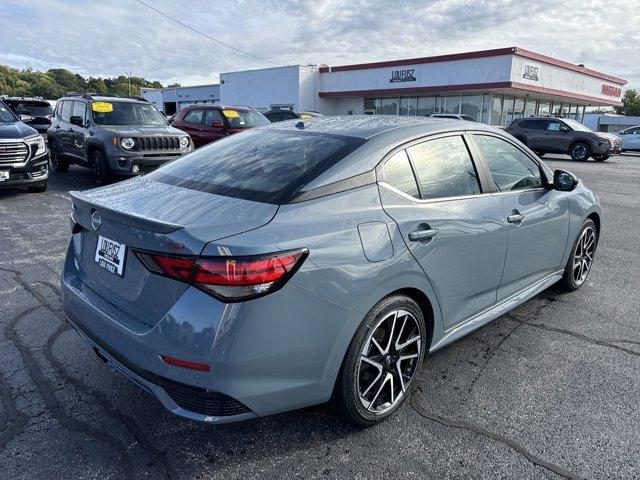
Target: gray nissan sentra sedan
<point>318,260</point>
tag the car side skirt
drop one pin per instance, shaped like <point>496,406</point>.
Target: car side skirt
<point>454,333</point>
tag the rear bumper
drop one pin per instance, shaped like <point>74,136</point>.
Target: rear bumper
<point>272,354</point>
<point>35,172</point>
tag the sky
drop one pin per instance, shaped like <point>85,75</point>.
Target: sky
<point>110,38</point>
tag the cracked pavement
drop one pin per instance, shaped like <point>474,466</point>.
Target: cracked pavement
<point>549,390</point>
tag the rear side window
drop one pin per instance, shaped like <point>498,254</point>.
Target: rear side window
<point>398,174</point>
<point>194,116</point>
<point>510,168</point>
<point>534,124</point>
<point>267,166</point>
<point>444,168</point>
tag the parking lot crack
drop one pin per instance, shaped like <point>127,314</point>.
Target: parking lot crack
<point>47,391</point>
<point>16,420</point>
<point>150,450</point>
<point>471,427</point>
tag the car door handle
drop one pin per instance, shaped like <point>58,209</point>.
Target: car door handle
<point>515,218</point>
<point>419,235</point>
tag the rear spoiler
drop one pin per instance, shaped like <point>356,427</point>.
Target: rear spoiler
<point>129,219</point>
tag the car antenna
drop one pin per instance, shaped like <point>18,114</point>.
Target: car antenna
<point>300,125</point>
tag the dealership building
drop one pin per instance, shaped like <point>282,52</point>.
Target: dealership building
<point>172,99</point>
<point>492,86</point>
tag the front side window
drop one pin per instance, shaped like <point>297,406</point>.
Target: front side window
<point>245,118</point>
<point>511,169</point>
<point>212,115</point>
<point>5,115</point>
<point>398,174</point>
<point>79,110</point>
<point>444,168</point>
<point>194,116</point>
<point>556,126</point>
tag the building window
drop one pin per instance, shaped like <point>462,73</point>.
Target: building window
<point>507,111</point>
<point>388,106</point>
<point>486,105</point>
<point>472,106</point>
<point>451,104</point>
<point>496,110</point>
<point>530,108</point>
<point>544,108</point>
<point>408,105</point>
<point>518,108</point>
<point>426,106</point>
<point>556,109</point>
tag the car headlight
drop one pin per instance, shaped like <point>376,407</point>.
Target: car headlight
<point>184,142</point>
<point>127,143</point>
<point>39,141</point>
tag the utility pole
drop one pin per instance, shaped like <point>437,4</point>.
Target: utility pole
<point>129,79</point>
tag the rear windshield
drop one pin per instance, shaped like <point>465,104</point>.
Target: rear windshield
<point>35,109</point>
<point>268,166</point>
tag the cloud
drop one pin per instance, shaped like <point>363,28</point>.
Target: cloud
<point>110,38</point>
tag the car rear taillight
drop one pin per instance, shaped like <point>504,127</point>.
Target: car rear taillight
<point>230,279</point>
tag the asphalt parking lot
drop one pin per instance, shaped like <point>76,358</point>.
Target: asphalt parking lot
<point>550,390</point>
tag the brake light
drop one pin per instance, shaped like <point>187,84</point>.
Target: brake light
<point>228,278</point>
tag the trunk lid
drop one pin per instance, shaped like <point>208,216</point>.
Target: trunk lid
<point>147,215</point>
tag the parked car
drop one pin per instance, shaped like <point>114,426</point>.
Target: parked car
<point>23,154</point>
<point>279,115</point>
<point>34,111</point>
<point>288,266</point>
<point>208,123</point>
<point>630,139</point>
<point>564,135</point>
<point>112,135</point>
<point>453,116</point>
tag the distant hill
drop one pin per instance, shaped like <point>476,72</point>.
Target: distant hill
<point>56,82</point>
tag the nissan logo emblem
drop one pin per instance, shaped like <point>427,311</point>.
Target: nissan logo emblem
<point>96,220</point>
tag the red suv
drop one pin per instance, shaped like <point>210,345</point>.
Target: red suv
<point>208,123</point>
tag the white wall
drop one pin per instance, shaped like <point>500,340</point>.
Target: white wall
<point>559,78</point>
<point>459,72</point>
<point>261,88</point>
<point>350,104</point>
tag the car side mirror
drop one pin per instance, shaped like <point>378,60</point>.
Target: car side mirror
<point>26,118</point>
<point>76,120</point>
<point>217,124</point>
<point>564,181</point>
<point>564,129</point>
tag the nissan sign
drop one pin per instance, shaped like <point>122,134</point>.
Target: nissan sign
<point>611,91</point>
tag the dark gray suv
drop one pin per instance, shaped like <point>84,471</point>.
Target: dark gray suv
<point>564,135</point>
<point>111,134</point>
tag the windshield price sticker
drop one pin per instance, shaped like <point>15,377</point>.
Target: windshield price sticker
<point>231,114</point>
<point>103,107</point>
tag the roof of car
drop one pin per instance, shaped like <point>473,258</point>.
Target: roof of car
<point>368,126</point>
<point>221,107</point>
<point>24,99</point>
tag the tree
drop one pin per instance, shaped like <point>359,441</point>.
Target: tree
<point>630,103</point>
<point>174,85</point>
<point>97,85</point>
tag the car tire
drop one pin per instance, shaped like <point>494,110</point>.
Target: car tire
<point>581,259</point>
<point>372,384</point>
<point>100,168</point>
<point>38,188</point>
<point>580,151</point>
<point>56,159</point>
<point>601,158</point>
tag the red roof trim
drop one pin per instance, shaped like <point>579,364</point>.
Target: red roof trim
<point>569,66</point>
<point>562,93</point>
<point>434,59</point>
<point>479,54</point>
<point>472,86</point>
